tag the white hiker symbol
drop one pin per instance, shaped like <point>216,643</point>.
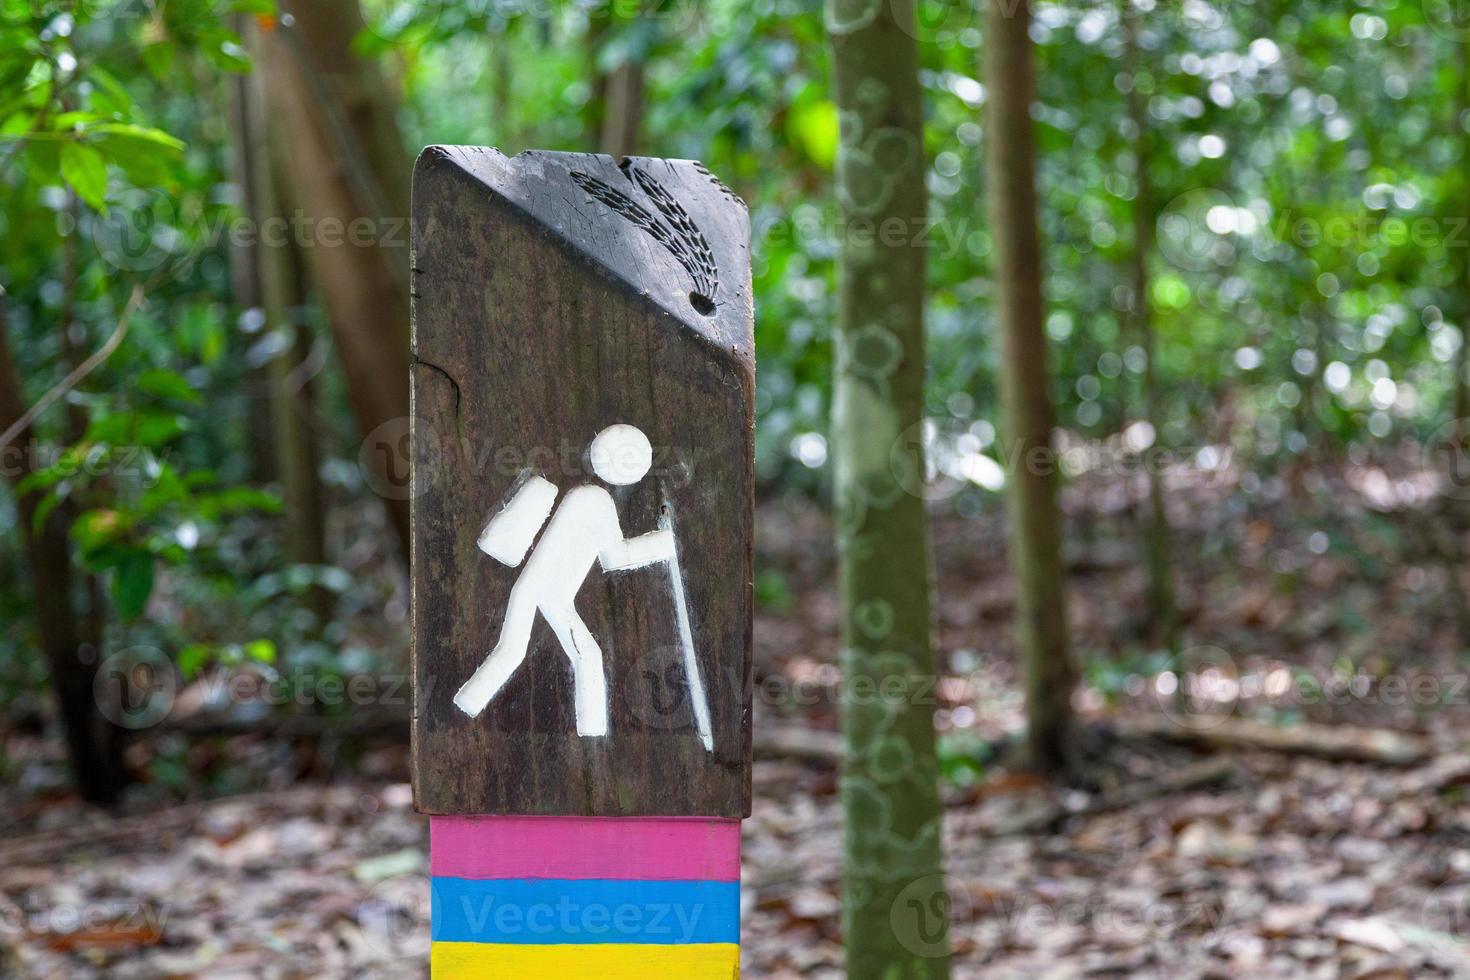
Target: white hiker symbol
<point>585,530</point>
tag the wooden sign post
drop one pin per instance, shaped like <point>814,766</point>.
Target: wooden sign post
<point>583,424</point>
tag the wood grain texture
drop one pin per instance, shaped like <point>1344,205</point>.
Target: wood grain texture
<point>554,295</point>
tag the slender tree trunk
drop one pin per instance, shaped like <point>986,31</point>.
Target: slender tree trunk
<point>1462,360</point>
<point>1031,490</point>
<point>351,171</point>
<point>67,330</point>
<point>1460,431</point>
<point>595,111</point>
<point>500,91</point>
<point>895,906</point>
<point>623,113</point>
<point>1163,617</point>
<point>90,626</point>
<point>282,293</point>
<point>615,110</point>
<point>70,637</point>
<point>245,267</point>
<point>293,419</point>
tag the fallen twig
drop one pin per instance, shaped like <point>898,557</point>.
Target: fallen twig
<point>1206,772</point>
<point>1337,743</point>
<point>793,742</point>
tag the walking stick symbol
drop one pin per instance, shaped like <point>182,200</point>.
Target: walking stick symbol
<point>686,636</point>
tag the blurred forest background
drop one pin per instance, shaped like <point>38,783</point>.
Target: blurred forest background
<point>1224,733</point>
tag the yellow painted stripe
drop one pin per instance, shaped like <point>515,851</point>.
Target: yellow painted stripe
<point>602,961</point>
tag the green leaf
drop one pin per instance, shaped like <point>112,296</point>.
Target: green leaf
<point>132,583</point>
<point>192,659</point>
<point>158,57</point>
<point>145,133</point>
<point>108,94</point>
<point>66,121</point>
<point>236,500</point>
<point>113,429</point>
<point>144,164</point>
<point>18,124</point>
<point>47,478</point>
<point>166,489</point>
<point>159,428</point>
<point>228,55</point>
<point>167,384</point>
<point>86,171</point>
<point>261,651</point>
<point>144,154</point>
<point>43,511</point>
<point>95,529</point>
<point>814,127</point>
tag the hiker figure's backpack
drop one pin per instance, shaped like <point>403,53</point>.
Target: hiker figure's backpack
<point>510,533</point>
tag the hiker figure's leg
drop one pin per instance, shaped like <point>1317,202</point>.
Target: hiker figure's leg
<point>509,652</point>
<point>589,679</point>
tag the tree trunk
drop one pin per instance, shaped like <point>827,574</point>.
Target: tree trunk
<point>351,175</point>
<point>623,111</point>
<point>1462,360</point>
<point>1162,616</point>
<point>1031,490</point>
<point>895,906</point>
<point>70,638</point>
<point>67,328</point>
<point>1460,428</point>
<point>501,94</point>
<point>594,113</point>
<point>614,113</point>
<point>293,421</point>
<point>245,268</point>
<point>281,290</point>
<point>90,625</point>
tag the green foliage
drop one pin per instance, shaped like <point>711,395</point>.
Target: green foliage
<point>963,757</point>
<point>196,656</point>
<point>773,592</point>
<point>1309,171</point>
<point>110,177</point>
<point>1263,139</point>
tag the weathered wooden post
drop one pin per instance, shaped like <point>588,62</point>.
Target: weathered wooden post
<point>583,386</point>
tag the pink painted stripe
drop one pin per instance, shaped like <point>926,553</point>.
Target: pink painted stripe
<point>618,848</point>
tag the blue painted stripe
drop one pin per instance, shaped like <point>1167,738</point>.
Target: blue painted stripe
<point>532,911</point>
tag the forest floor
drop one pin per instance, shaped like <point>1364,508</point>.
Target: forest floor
<point>1330,610</point>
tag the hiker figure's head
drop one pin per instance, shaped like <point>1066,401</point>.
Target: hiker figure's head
<point>621,455</point>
